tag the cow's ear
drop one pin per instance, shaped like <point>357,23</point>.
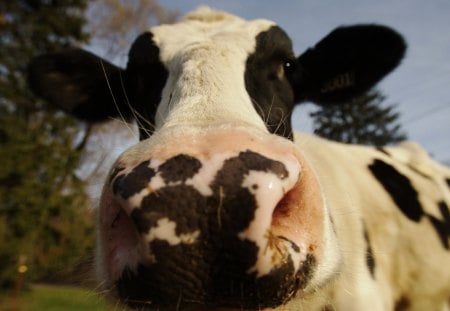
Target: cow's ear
<point>346,63</point>
<point>80,83</point>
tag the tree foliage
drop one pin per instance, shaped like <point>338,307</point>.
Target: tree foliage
<point>43,207</point>
<point>114,24</point>
<point>363,120</point>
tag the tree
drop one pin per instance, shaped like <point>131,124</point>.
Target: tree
<point>44,218</point>
<point>114,24</point>
<point>363,120</point>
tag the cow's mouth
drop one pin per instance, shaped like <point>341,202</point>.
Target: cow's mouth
<point>210,255</point>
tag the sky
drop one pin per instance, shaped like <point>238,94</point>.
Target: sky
<point>420,86</point>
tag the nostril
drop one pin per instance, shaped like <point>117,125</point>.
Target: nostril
<point>121,244</point>
<point>273,196</point>
<point>282,224</point>
<point>285,205</point>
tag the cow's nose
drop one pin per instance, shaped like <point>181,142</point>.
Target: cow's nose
<point>207,221</point>
<point>244,184</point>
<point>151,175</point>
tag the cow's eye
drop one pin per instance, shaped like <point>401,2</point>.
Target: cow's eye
<point>289,66</point>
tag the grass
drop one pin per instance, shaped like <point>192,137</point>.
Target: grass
<point>56,298</point>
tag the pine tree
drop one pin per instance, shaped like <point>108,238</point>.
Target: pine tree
<point>363,120</point>
<point>43,207</point>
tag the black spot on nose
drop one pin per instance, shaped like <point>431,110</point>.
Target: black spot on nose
<point>256,162</point>
<point>179,203</point>
<point>179,168</point>
<point>132,183</point>
<point>235,169</point>
<point>213,268</point>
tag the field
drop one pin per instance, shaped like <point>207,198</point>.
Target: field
<point>56,298</point>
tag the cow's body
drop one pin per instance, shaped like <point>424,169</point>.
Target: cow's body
<point>222,207</point>
<point>408,269</point>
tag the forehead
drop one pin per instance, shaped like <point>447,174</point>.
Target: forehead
<point>207,27</point>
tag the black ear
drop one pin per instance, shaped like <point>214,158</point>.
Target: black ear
<point>80,83</point>
<point>346,63</point>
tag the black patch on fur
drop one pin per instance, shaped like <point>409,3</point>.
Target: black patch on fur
<point>266,80</point>
<point>447,180</point>
<point>94,90</point>
<point>347,62</point>
<point>81,83</point>
<point>405,197</point>
<point>442,226</point>
<point>212,271</point>
<point>146,79</point>
<point>370,259</point>
<point>399,188</point>
<point>402,304</point>
<point>179,168</point>
<point>132,183</point>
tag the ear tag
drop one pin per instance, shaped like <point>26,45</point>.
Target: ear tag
<point>339,82</point>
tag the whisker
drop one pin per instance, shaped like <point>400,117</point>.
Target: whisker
<point>112,93</point>
<point>149,129</point>
<point>270,108</point>
<point>137,116</point>
<point>265,115</point>
<point>282,121</point>
<point>259,109</point>
<point>135,113</point>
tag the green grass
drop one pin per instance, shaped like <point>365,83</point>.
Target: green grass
<point>56,298</point>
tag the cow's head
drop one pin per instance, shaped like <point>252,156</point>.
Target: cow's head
<point>215,206</point>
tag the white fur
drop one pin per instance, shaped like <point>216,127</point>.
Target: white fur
<point>165,231</point>
<point>410,259</point>
<point>206,57</point>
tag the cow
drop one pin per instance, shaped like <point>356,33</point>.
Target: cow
<point>222,206</point>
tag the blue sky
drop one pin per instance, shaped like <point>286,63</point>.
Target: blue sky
<point>420,86</point>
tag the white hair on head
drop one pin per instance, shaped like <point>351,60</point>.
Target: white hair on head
<point>208,15</point>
